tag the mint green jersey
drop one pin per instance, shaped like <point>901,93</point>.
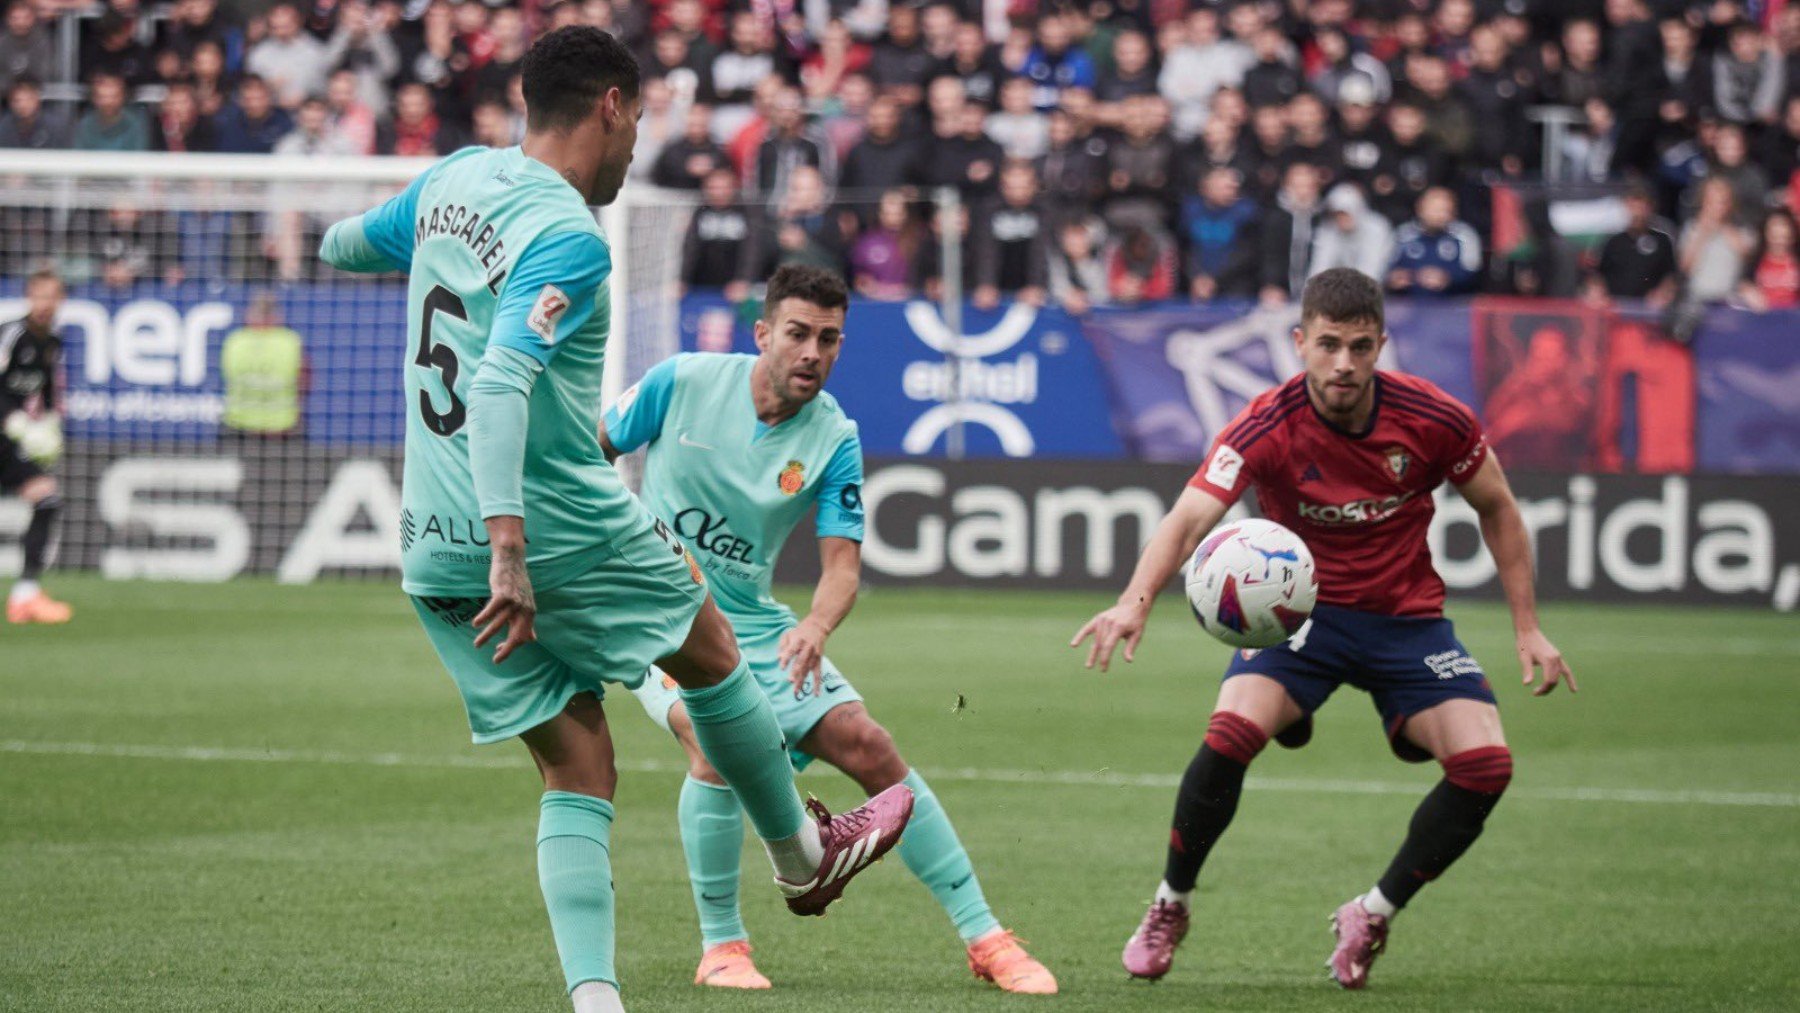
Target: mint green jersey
<point>502,253</point>
<point>731,487</point>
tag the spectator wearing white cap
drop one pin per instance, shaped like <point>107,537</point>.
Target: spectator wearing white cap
<point>1345,68</point>
<point>1351,235</point>
<point>1360,137</point>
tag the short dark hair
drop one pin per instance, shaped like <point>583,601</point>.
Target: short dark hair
<point>1343,295</point>
<point>569,70</point>
<point>45,273</point>
<point>824,289</point>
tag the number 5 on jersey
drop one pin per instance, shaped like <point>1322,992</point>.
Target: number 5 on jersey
<point>443,359</point>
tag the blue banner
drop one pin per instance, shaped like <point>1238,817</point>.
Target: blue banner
<point>142,364</point>
<point>1154,382</point>
<point>1747,369</point>
<point>1016,382</point>
<point>1178,374</point>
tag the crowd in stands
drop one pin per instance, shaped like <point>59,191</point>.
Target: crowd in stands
<point>1103,151</point>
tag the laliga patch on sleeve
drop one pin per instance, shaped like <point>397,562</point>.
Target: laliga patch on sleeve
<point>550,306</point>
<point>627,399</point>
<point>1223,471</point>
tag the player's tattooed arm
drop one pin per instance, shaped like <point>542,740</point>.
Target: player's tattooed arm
<point>512,605</point>
<point>1188,521</point>
<point>606,445</point>
<point>1503,529</point>
<point>801,651</point>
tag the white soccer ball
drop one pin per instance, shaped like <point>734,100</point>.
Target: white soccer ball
<point>1251,583</point>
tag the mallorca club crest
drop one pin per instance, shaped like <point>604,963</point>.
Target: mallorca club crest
<point>1398,460</point>
<point>792,478</point>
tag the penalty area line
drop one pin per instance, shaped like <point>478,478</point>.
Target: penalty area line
<point>1074,778</point>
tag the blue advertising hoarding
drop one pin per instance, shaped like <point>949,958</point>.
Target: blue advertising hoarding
<point>142,364</point>
<point>1179,373</point>
<point>1153,382</point>
<point>1017,381</point>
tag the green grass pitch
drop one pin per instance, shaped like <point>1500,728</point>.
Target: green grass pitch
<point>252,797</point>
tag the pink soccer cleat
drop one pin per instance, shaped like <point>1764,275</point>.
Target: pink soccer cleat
<point>1361,937</point>
<point>853,841</point>
<point>1151,948</point>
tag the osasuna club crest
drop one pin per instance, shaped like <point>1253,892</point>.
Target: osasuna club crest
<point>1398,461</point>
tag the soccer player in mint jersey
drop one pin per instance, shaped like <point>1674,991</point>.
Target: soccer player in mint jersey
<point>514,521</point>
<point>742,447</point>
<point>1348,457</point>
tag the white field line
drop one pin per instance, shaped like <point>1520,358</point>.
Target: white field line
<point>1094,779</point>
<point>1752,646</point>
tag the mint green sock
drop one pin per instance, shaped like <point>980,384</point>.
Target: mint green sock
<point>575,873</point>
<point>931,850</point>
<point>712,835</point>
<point>737,730</point>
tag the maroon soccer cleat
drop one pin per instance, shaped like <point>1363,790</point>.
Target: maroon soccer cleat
<point>1361,937</point>
<point>1151,948</point>
<point>853,841</point>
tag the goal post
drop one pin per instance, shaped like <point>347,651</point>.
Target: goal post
<point>190,273</point>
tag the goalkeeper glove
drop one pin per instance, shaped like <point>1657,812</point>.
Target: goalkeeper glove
<point>39,439</point>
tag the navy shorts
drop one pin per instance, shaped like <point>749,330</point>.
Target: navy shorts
<point>1406,664</point>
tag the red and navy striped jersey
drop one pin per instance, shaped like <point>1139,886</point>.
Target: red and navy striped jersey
<point>1362,501</point>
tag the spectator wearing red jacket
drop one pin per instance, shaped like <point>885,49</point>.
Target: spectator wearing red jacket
<point>1140,267</point>
<point>1773,279</point>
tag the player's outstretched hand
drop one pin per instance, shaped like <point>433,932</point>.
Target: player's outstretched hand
<point>1120,624</point>
<point>801,653</point>
<point>512,606</point>
<point>1535,652</point>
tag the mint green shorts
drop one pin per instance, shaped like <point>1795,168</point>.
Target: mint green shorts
<point>797,717</point>
<point>609,624</point>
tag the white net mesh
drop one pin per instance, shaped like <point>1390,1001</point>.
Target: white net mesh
<point>195,445</point>
<point>645,228</point>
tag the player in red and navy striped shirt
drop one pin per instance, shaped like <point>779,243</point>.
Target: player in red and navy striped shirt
<point>1348,457</point>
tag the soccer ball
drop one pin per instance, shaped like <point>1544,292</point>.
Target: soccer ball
<point>1251,583</point>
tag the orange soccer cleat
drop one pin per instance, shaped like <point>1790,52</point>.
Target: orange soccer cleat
<point>728,965</point>
<point>998,957</point>
<point>38,608</point>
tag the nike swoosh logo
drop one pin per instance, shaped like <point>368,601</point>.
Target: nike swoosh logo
<point>715,900</point>
<point>684,441</point>
<point>834,687</point>
<point>958,885</point>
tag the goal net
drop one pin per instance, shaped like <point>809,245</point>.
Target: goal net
<point>232,405</point>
